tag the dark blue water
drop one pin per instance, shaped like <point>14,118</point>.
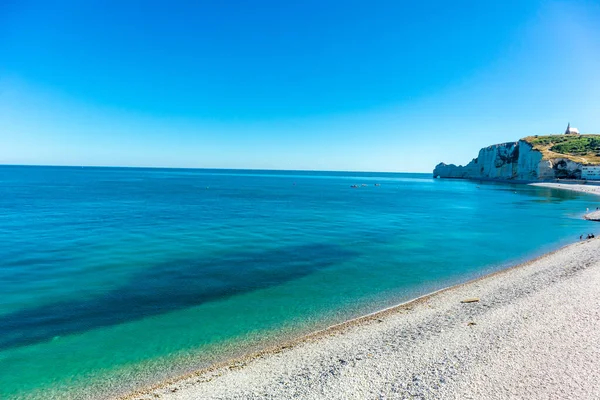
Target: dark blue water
<point>120,276</point>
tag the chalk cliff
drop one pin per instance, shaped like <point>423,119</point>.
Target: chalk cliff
<point>514,161</point>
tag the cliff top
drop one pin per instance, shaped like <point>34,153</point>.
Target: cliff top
<point>584,149</point>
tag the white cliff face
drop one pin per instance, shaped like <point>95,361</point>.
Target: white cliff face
<point>456,171</point>
<point>499,161</point>
<point>529,164</point>
<point>514,160</point>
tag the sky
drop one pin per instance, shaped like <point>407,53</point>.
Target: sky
<point>314,85</point>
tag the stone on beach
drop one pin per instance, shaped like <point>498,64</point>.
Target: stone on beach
<point>471,300</point>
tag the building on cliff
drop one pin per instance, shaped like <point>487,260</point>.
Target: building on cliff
<point>591,172</point>
<point>571,131</point>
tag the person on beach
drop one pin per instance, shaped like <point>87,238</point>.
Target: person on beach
<point>580,237</point>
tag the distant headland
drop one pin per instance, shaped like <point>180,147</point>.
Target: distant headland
<point>564,156</point>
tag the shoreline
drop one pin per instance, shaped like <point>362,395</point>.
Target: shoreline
<point>574,187</point>
<point>241,361</point>
<point>191,384</point>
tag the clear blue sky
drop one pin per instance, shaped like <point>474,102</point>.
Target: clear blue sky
<point>338,85</point>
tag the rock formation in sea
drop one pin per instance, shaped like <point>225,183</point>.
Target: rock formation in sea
<point>532,158</point>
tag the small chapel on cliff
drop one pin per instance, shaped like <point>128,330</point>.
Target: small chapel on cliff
<point>571,131</point>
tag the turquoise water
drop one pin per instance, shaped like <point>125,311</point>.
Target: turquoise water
<point>114,278</point>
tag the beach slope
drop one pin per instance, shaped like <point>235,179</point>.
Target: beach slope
<point>575,187</point>
<point>533,333</point>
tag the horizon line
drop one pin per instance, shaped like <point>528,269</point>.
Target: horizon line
<point>204,168</point>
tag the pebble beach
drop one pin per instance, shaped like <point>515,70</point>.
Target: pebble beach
<point>532,331</point>
<point>576,187</point>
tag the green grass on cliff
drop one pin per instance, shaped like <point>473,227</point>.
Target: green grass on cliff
<point>583,149</point>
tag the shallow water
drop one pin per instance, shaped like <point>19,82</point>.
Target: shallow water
<point>116,277</point>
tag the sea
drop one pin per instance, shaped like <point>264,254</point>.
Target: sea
<point>113,279</point>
